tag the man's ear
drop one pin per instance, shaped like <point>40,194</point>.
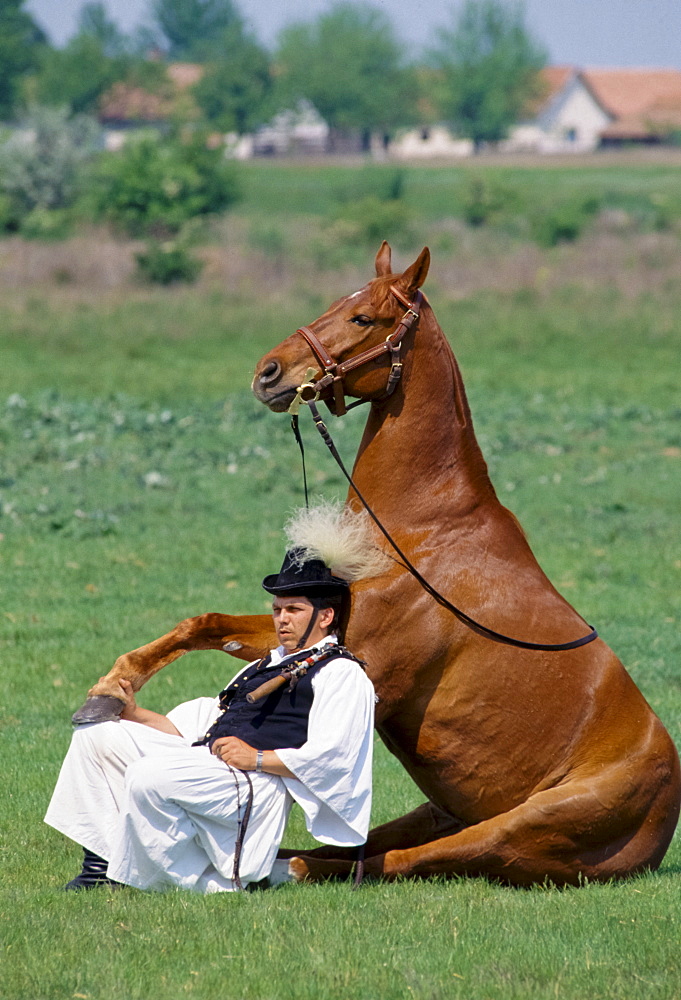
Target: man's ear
<point>326,616</point>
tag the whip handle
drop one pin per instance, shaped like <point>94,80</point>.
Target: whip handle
<point>267,688</point>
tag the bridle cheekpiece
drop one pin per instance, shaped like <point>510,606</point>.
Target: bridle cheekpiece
<point>335,371</point>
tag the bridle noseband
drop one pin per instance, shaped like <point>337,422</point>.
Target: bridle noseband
<point>335,371</point>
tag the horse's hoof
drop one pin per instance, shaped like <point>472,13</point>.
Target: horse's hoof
<point>298,870</point>
<point>98,708</point>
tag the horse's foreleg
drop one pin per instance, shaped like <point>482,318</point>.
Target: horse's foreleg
<point>423,824</point>
<point>245,636</point>
<point>598,830</point>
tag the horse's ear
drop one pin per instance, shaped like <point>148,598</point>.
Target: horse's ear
<point>384,260</point>
<point>415,275</point>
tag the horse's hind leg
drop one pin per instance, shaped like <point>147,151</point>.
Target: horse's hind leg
<point>587,829</point>
<point>244,636</point>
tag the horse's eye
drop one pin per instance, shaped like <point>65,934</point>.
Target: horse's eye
<point>362,320</point>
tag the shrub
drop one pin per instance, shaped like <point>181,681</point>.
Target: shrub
<point>376,182</point>
<point>41,164</point>
<point>644,211</point>
<point>562,223</point>
<point>269,239</point>
<point>484,201</point>
<point>168,263</point>
<point>153,186</point>
<point>9,217</point>
<point>371,220</point>
<point>45,224</point>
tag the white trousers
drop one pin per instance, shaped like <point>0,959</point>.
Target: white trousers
<point>164,813</point>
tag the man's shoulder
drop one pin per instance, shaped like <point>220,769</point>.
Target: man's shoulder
<point>344,664</point>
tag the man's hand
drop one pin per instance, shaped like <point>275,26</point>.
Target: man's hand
<point>235,752</point>
<point>128,695</point>
<point>133,713</point>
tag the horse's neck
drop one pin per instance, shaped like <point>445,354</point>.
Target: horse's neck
<point>421,443</point>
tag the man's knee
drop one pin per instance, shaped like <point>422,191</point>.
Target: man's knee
<point>148,779</point>
<point>96,738</point>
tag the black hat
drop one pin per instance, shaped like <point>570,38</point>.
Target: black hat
<point>311,578</point>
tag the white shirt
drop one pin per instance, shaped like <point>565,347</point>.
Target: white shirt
<point>333,767</point>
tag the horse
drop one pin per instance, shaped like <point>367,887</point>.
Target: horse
<point>537,763</point>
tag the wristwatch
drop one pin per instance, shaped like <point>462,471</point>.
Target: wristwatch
<point>258,760</point>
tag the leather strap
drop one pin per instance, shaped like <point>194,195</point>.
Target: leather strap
<point>334,371</point>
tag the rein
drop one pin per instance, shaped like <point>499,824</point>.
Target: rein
<point>334,377</point>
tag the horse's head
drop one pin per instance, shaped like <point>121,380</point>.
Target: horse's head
<point>350,327</point>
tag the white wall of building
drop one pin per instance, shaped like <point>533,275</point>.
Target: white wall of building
<point>571,123</point>
<point>428,143</point>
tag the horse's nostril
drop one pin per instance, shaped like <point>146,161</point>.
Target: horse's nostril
<point>270,373</point>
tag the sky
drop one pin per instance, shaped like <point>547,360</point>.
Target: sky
<point>583,33</point>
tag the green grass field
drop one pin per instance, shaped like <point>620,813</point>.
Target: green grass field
<point>140,483</point>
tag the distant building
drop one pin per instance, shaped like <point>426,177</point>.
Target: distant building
<point>300,130</point>
<point>578,111</point>
<point>582,110</point>
<point>645,103</point>
<point>124,108</point>
<point>428,143</point>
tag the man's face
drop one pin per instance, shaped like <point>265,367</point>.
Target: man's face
<point>291,617</point>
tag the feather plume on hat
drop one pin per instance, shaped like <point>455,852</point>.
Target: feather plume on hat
<point>341,537</point>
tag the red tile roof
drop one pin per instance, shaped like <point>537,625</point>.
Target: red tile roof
<point>185,75</point>
<point>554,78</point>
<point>123,103</point>
<point>550,82</point>
<point>642,102</point>
<point>645,103</point>
<point>626,92</point>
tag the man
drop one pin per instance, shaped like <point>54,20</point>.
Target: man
<point>198,799</point>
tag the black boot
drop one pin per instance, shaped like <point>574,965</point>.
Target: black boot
<point>93,873</point>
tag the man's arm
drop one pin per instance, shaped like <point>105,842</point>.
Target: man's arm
<point>236,753</point>
<point>133,713</point>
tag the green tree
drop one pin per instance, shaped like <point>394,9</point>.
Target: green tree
<point>234,92</point>
<point>94,22</point>
<point>21,41</point>
<point>349,64</point>
<point>75,76</point>
<point>98,56</point>
<point>489,67</point>
<point>195,29</point>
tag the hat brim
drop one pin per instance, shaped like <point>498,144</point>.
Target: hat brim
<point>305,588</point>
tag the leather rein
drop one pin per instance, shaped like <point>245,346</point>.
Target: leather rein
<point>334,372</point>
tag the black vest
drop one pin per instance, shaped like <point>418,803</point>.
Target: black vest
<point>276,722</point>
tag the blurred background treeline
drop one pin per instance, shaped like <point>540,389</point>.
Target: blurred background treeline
<point>139,136</point>
<point>136,139</point>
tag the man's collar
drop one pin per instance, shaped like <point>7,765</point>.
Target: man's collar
<point>280,653</point>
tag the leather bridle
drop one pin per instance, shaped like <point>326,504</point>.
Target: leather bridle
<point>335,371</point>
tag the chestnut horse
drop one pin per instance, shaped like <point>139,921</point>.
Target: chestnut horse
<point>535,764</point>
